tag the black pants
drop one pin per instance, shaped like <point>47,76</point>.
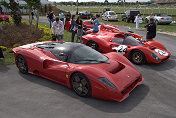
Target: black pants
<point>1,54</point>
<point>73,36</point>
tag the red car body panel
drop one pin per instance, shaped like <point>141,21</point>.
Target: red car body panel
<point>119,72</point>
<point>104,40</point>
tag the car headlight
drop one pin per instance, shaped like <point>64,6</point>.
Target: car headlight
<point>155,57</point>
<point>107,82</point>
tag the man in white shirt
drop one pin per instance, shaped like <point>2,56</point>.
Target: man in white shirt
<point>138,20</point>
<point>58,27</point>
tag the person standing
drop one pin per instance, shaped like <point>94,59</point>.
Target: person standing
<point>73,28</point>
<point>80,29</point>
<point>96,23</point>
<point>58,27</point>
<point>138,20</point>
<point>1,54</point>
<point>51,18</point>
<point>61,16</point>
<point>36,13</point>
<point>32,13</point>
<point>151,30</point>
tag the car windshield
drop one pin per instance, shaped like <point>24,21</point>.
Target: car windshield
<point>134,12</point>
<point>163,14</point>
<point>117,40</point>
<point>112,13</point>
<point>87,55</point>
<point>129,40</point>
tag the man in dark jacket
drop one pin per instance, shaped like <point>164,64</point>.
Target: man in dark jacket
<point>151,30</point>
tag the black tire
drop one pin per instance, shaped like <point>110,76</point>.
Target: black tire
<point>127,20</point>
<point>22,64</point>
<point>81,85</point>
<point>93,45</point>
<point>137,57</point>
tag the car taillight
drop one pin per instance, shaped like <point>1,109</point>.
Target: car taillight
<point>161,18</point>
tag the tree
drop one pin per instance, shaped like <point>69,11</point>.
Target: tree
<point>33,4</point>
<point>50,7</point>
<point>15,12</point>
<point>46,10</point>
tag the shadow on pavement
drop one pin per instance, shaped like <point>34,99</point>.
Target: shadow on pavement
<point>168,65</point>
<point>136,96</point>
<point>4,69</point>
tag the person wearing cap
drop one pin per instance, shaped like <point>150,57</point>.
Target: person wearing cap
<point>151,30</point>
<point>138,20</point>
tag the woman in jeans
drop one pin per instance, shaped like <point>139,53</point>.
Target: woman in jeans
<point>73,28</point>
<point>80,30</point>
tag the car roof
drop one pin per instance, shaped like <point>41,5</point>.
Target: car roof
<point>66,47</point>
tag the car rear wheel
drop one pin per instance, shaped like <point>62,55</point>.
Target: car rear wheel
<point>138,57</point>
<point>93,45</point>
<point>22,64</point>
<point>81,85</point>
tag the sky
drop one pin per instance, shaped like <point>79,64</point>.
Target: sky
<point>99,0</point>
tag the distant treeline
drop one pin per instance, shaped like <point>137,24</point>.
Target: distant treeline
<point>112,3</point>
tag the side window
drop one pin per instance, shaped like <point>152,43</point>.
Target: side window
<point>60,55</point>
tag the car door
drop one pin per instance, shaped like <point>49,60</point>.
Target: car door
<point>56,69</point>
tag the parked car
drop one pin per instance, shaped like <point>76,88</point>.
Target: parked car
<point>89,73</point>
<point>110,15</point>
<point>85,14</point>
<point>160,18</point>
<point>4,18</point>
<point>89,24</point>
<point>129,16</point>
<point>128,44</point>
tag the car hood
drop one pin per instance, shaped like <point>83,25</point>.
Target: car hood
<point>155,44</point>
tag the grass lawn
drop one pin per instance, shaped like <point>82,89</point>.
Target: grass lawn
<point>162,28</point>
<point>9,59</point>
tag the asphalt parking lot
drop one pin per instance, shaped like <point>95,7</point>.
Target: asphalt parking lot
<point>29,96</point>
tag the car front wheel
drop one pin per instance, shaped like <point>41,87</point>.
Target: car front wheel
<point>22,64</point>
<point>138,57</point>
<point>81,85</point>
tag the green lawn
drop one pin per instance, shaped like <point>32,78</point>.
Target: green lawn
<point>9,59</point>
<point>170,10</point>
<point>162,28</point>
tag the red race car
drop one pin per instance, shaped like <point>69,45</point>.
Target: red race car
<point>128,44</point>
<point>89,73</point>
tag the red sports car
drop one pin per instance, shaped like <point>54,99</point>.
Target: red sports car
<point>128,44</point>
<point>89,73</point>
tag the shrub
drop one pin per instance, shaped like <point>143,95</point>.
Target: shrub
<point>45,38</point>
<point>3,48</point>
<point>9,50</point>
<point>16,45</point>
